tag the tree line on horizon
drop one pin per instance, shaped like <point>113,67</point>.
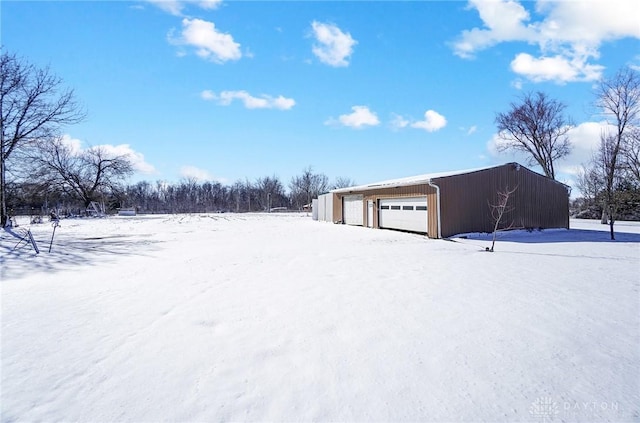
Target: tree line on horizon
<point>38,167</point>
<point>188,195</point>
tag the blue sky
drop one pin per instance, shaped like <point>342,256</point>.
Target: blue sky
<point>367,90</point>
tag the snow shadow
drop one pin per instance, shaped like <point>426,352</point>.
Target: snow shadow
<point>18,257</point>
<point>546,236</point>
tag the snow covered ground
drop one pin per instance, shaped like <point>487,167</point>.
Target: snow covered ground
<point>279,318</point>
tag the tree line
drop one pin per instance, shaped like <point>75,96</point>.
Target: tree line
<point>186,196</point>
<point>38,166</point>
<point>263,194</point>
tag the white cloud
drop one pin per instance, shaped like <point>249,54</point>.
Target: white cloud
<point>399,122</point>
<point>517,84</point>
<point>209,4</point>
<point>504,20</point>
<point>176,7</point>
<point>210,43</point>
<point>74,144</point>
<point>283,103</point>
<point>584,138</point>
<point>557,68</point>
<point>359,118</point>
<point>173,7</point>
<point>493,147</point>
<point>472,130</point>
<point>225,98</point>
<point>333,47</point>
<point>568,36</point>
<point>192,172</point>
<point>588,24</point>
<point>433,121</point>
<point>137,159</point>
<point>208,95</point>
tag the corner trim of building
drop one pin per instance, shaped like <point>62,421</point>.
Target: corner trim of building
<point>438,207</point>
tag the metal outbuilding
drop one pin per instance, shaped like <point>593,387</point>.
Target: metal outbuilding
<point>449,203</point>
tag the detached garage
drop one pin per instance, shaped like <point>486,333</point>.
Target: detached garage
<point>407,214</point>
<point>449,203</point>
<point>352,209</point>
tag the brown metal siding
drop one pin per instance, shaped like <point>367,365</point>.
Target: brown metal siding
<point>538,202</point>
<point>337,208</point>
<point>398,192</point>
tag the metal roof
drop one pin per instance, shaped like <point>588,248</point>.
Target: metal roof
<point>413,180</point>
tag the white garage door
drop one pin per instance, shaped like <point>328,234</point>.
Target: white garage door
<point>407,214</point>
<point>352,209</point>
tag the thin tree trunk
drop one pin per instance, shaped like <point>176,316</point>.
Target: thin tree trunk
<point>613,237</point>
<point>3,194</point>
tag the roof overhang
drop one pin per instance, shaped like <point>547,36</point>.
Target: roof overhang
<point>425,179</point>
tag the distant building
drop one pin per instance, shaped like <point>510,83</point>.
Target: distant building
<point>127,211</point>
<point>449,203</point>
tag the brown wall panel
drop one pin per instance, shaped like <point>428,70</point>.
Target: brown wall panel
<point>337,208</point>
<point>538,202</point>
<point>465,200</point>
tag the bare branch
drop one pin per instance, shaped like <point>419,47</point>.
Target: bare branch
<point>342,182</point>
<point>88,174</point>
<point>537,127</point>
<point>498,211</point>
<point>308,186</point>
<point>33,107</point>
<point>618,98</point>
<point>632,155</point>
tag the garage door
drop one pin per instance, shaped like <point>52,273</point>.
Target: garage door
<point>407,214</point>
<point>352,209</point>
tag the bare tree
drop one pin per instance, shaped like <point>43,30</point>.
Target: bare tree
<point>270,193</point>
<point>618,99</point>
<point>33,106</point>
<point>307,186</point>
<point>86,174</point>
<point>589,182</point>
<point>608,169</point>
<point>537,127</point>
<point>498,211</point>
<point>632,155</point>
<point>343,182</point>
